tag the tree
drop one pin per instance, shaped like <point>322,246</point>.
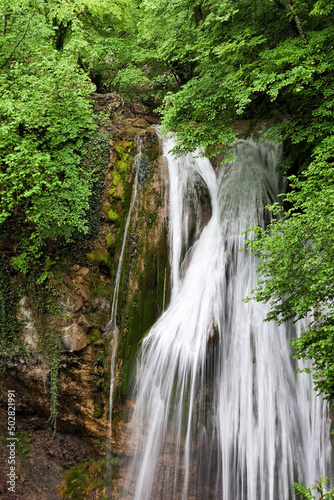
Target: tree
<point>251,62</point>
<point>46,115</point>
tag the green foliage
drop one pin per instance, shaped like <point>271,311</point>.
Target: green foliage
<point>95,335</point>
<point>45,114</point>
<point>320,487</point>
<point>245,60</point>
<point>9,327</point>
<point>23,441</point>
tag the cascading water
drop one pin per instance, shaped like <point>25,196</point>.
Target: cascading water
<point>219,411</point>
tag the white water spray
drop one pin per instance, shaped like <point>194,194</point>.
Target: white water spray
<point>220,412</point>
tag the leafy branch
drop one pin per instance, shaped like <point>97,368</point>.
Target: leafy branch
<point>18,43</point>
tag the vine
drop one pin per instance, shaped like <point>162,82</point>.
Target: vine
<point>9,326</point>
<point>43,298</point>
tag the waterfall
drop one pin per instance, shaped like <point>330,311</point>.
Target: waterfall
<point>219,410</point>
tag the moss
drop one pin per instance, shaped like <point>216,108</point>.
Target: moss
<point>151,145</point>
<point>98,413</point>
<point>95,335</point>
<point>125,148</point>
<point>90,479</point>
<point>101,258</point>
<point>116,178</point>
<point>110,240</point>
<point>96,158</point>
<point>99,288</point>
<point>112,215</point>
<point>138,315</point>
<point>99,363</point>
<point>9,326</point>
<point>114,193</point>
<point>102,386</point>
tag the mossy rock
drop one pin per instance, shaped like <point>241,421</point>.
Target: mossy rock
<point>113,216</point>
<point>90,479</point>
<point>124,149</point>
<point>116,178</point>
<point>101,257</point>
<point>98,413</point>
<point>110,241</point>
<point>151,145</point>
<point>138,315</point>
<point>95,335</point>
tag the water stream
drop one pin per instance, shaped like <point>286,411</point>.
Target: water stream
<point>219,410</point>
<point>112,325</point>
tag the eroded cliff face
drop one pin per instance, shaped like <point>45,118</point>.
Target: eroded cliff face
<point>74,327</point>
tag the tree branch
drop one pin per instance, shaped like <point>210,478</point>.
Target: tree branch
<point>297,21</point>
<point>198,14</point>
<point>4,18</point>
<point>18,43</point>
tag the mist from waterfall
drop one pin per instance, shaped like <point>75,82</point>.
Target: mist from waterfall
<point>219,411</point>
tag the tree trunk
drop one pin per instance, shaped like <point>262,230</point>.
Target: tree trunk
<point>297,21</point>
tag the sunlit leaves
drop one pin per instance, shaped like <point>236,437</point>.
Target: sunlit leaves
<point>46,113</point>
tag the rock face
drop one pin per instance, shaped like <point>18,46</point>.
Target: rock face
<point>42,456</point>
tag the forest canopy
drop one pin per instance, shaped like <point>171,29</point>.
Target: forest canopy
<point>205,65</point>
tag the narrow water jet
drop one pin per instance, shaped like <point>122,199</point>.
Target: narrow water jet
<point>112,328</point>
<point>219,410</point>
<point>112,325</point>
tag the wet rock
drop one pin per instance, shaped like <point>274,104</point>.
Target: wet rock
<point>102,303</point>
<point>112,101</point>
<point>140,123</point>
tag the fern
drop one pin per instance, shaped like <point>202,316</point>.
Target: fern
<point>303,492</point>
<point>306,493</point>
